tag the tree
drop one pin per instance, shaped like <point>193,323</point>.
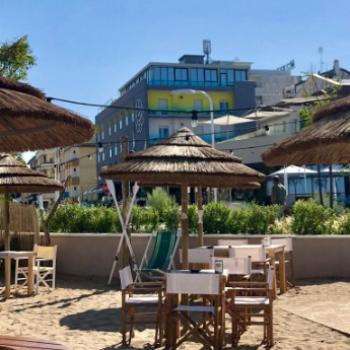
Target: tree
<point>16,59</point>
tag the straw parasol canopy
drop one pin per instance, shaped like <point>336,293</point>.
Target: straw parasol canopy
<point>184,159</point>
<point>29,122</point>
<point>17,177</point>
<point>326,141</point>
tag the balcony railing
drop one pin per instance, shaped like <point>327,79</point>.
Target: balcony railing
<point>188,83</point>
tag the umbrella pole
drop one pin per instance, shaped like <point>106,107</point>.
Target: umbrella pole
<point>7,244</point>
<point>331,189</point>
<point>184,226</point>
<point>200,216</point>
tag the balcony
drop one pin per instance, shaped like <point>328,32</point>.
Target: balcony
<point>188,83</point>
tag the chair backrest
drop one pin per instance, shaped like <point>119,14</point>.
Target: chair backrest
<point>256,253</point>
<point>163,250</point>
<point>232,242</point>
<point>46,252</point>
<point>235,266</point>
<point>125,277</point>
<point>287,242</point>
<point>193,283</point>
<point>199,256</point>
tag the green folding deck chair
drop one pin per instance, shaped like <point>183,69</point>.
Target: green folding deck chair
<point>162,257</point>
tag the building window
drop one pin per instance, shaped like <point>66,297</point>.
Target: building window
<point>163,132</point>
<point>127,120</point>
<point>102,135</point>
<point>197,75</point>
<point>197,105</point>
<point>98,158</point>
<point>161,75</point>
<point>110,152</point>
<point>223,106</point>
<point>116,150</point>
<point>121,123</point>
<point>181,74</point>
<point>240,75</point>
<point>110,131</point>
<point>132,116</point>
<point>210,75</point>
<point>162,105</point>
<point>103,157</point>
<point>115,127</point>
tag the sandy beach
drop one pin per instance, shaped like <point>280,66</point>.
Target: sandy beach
<point>86,315</point>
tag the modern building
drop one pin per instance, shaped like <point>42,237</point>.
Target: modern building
<point>78,163</point>
<point>160,111</point>
<point>44,161</point>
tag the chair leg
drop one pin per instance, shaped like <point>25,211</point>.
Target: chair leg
<point>124,313</point>
<point>270,328</point>
<point>16,274</point>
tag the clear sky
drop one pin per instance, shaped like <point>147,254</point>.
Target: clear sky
<point>86,49</point>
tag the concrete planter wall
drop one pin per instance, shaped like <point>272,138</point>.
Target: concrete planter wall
<point>93,254</point>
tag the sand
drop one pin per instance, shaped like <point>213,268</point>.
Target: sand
<point>86,315</point>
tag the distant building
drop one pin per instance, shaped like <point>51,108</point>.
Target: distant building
<point>44,162</point>
<point>271,84</point>
<point>161,112</point>
<point>79,164</point>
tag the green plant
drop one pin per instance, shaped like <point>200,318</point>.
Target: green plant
<point>161,201</point>
<point>192,218</point>
<point>342,225</point>
<point>172,217</point>
<point>215,218</point>
<point>144,219</point>
<point>312,218</point>
<point>237,220</point>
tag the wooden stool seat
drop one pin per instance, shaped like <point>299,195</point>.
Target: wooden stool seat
<point>26,343</point>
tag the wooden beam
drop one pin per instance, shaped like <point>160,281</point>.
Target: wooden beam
<point>199,197</point>
<point>184,226</point>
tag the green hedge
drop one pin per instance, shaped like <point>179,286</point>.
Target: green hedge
<point>307,217</point>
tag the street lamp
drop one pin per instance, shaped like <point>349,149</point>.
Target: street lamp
<point>194,119</point>
<point>211,106</point>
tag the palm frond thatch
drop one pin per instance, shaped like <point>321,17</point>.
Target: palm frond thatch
<point>29,122</point>
<point>17,177</point>
<point>326,141</point>
<point>184,158</point>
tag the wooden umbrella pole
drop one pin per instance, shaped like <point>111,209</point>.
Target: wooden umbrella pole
<point>7,244</point>
<point>184,226</point>
<point>200,216</point>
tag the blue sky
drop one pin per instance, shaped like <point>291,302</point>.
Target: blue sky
<point>86,49</point>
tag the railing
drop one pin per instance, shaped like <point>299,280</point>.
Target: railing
<point>188,83</point>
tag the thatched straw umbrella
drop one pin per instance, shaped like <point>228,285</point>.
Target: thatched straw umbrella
<point>29,122</point>
<point>17,177</point>
<point>184,160</point>
<point>326,141</point>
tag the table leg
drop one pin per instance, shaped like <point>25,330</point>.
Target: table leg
<point>273,264</point>
<point>282,274</point>
<point>30,275</point>
<point>172,324</point>
<point>7,277</point>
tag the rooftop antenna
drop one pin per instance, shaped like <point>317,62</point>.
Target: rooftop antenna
<point>207,50</point>
<point>320,52</point>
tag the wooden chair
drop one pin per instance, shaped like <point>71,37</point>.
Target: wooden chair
<point>202,321</point>
<point>288,250</point>
<point>232,242</point>
<point>251,303</point>
<point>142,303</point>
<point>257,255</point>
<point>44,268</point>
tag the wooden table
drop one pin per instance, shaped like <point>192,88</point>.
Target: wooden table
<point>7,255</point>
<point>273,251</point>
<point>26,343</point>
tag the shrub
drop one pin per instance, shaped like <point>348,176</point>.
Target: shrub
<point>74,218</point>
<point>215,218</point>
<point>144,219</point>
<point>160,201</point>
<point>311,218</point>
<point>343,225</point>
<point>193,218</point>
<point>172,217</point>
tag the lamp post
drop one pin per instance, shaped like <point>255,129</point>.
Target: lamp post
<point>211,109</point>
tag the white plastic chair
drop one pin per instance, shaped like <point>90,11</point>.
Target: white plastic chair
<point>231,242</point>
<point>44,268</point>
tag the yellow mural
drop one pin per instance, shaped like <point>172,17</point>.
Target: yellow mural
<point>158,99</point>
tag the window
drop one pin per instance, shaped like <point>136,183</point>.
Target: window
<point>110,131</point>
<point>223,106</point>
<point>116,150</point>
<point>226,77</point>
<point>102,135</point>
<point>162,105</point>
<point>197,105</point>
<point>98,158</point>
<point>110,152</point>
<point>197,75</point>
<point>163,132</point>
<point>103,157</point>
<point>210,75</point>
<point>115,126</point>
<point>162,74</point>
<point>240,75</point>
<point>127,120</point>
<point>132,116</point>
<point>181,74</point>
<point>121,123</point>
